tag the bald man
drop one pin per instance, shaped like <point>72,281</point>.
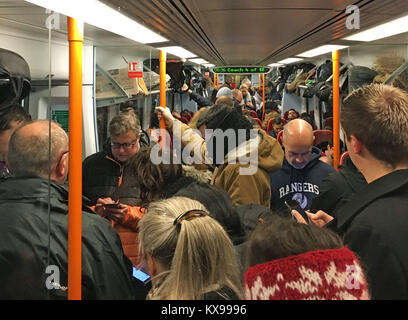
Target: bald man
<point>33,240</point>
<point>301,172</point>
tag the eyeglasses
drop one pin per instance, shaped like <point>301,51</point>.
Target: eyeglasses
<point>188,215</point>
<point>128,145</point>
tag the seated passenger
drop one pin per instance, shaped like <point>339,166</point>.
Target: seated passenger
<point>26,224</point>
<point>277,127</point>
<point>246,178</point>
<point>102,172</point>
<point>188,254</point>
<point>301,172</point>
<point>14,118</point>
<point>294,261</point>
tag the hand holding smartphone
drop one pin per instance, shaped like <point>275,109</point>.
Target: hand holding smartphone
<point>112,205</point>
<point>294,205</point>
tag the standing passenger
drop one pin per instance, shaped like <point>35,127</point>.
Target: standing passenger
<point>301,172</point>
<point>102,172</point>
<point>189,255</point>
<point>374,222</point>
<point>34,239</point>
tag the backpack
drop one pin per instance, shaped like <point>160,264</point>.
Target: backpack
<point>15,79</point>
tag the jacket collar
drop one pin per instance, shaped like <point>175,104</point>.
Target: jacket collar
<point>371,192</point>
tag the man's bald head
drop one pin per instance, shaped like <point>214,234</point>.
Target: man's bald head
<point>297,140</point>
<point>29,149</point>
<point>298,129</point>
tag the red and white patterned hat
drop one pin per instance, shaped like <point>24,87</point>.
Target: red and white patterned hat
<point>332,274</point>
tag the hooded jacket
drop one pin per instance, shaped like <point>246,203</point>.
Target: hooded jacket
<point>243,189</point>
<point>106,271</point>
<point>338,187</point>
<point>246,186</point>
<point>301,185</point>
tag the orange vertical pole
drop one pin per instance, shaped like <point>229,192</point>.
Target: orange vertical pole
<point>263,96</point>
<point>75,38</point>
<point>163,104</point>
<point>336,108</point>
<point>215,79</point>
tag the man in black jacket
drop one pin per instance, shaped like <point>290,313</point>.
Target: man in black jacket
<point>375,221</point>
<point>102,172</point>
<point>338,187</point>
<point>34,227</point>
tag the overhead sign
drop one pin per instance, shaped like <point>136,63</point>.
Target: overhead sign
<point>242,70</point>
<point>135,70</point>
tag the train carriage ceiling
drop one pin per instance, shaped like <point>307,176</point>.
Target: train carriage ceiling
<point>227,31</point>
<point>255,31</point>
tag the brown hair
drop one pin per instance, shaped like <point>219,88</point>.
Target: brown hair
<point>280,237</point>
<point>151,178</point>
<point>124,122</point>
<point>377,115</point>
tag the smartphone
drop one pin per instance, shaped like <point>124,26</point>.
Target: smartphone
<point>294,205</point>
<point>112,205</point>
<point>140,275</point>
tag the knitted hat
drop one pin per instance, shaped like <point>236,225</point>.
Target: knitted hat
<point>224,91</point>
<point>332,274</point>
<point>224,117</point>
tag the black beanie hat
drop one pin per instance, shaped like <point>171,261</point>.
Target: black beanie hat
<point>224,117</point>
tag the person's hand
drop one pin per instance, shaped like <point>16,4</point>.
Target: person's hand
<point>118,213</point>
<point>165,113</point>
<point>320,218</point>
<point>114,214</point>
<point>184,88</point>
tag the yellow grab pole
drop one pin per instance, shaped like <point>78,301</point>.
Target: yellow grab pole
<point>336,108</point>
<point>162,60</point>
<point>75,38</point>
<point>215,78</point>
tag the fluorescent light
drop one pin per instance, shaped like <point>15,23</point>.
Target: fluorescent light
<point>198,61</point>
<point>179,52</point>
<point>290,60</point>
<point>382,31</point>
<point>209,65</point>
<point>102,16</point>
<point>321,50</point>
<point>275,64</point>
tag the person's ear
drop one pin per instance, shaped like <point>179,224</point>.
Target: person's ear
<point>356,144</point>
<point>62,166</point>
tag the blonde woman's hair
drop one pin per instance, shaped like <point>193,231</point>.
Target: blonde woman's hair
<point>197,255</point>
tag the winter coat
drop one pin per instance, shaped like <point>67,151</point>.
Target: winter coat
<point>243,189</point>
<point>102,174</point>
<point>101,177</point>
<point>375,223</point>
<point>24,227</point>
<point>338,187</point>
<point>301,185</point>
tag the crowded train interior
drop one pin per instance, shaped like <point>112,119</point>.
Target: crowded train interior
<point>204,150</point>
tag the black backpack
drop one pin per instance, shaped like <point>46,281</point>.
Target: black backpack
<point>15,79</point>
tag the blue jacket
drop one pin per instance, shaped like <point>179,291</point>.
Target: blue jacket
<point>298,184</point>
